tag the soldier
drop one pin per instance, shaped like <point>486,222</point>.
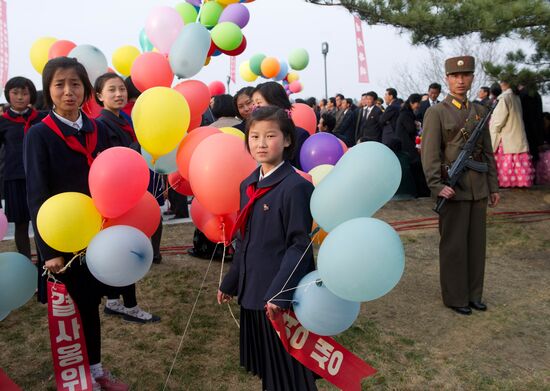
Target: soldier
<point>462,220</point>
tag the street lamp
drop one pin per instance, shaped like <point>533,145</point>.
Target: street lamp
<point>324,50</point>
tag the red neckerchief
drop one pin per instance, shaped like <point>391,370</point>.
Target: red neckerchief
<point>123,124</point>
<point>253,194</point>
<point>21,120</point>
<point>72,142</point>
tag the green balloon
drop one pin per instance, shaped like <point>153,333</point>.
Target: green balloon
<point>187,12</point>
<point>256,63</point>
<point>298,59</point>
<point>227,36</point>
<point>210,13</point>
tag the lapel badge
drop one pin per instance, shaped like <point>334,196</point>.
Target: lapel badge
<point>266,207</point>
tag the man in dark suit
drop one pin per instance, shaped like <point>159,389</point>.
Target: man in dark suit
<point>389,118</point>
<point>367,124</point>
<point>339,115</point>
<point>346,130</point>
<point>483,96</point>
<point>433,93</point>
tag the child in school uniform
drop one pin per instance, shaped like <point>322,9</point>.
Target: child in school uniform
<point>112,95</point>
<point>57,155</point>
<point>20,92</point>
<point>274,225</point>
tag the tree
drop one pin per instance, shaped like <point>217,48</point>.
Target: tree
<point>431,21</point>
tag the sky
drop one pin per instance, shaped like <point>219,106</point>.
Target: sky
<point>275,28</point>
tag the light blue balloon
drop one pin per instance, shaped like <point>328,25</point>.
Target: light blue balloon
<point>321,311</point>
<point>363,180</point>
<point>144,43</point>
<point>18,280</point>
<point>283,72</point>
<point>4,315</point>
<point>189,51</point>
<point>361,259</point>
<point>93,60</point>
<point>166,164</point>
<point>119,255</point>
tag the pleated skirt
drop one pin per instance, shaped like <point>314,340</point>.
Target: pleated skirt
<point>263,354</point>
<point>15,193</point>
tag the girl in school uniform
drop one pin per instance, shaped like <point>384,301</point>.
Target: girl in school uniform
<point>244,104</point>
<point>57,155</point>
<point>112,95</point>
<point>14,125</point>
<point>274,225</point>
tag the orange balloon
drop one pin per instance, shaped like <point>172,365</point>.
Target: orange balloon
<point>304,117</point>
<point>270,67</point>
<point>320,236</point>
<point>151,70</point>
<point>145,216</point>
<point>179,184</point>
<point>61,48</point>
<point>188,145</point>
<point>218,166</point>
<point>216,228</point>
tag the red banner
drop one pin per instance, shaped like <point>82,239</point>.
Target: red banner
<point>70,358</point>
<point>322,355</point>
<point>6,384</point>
<point>233,68</point>
<point>361,57</point>
<point>4,52</point>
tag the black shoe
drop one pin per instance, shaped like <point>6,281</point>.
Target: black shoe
<point>462,310</point>
<point>478,305</point>
<point>157,259</point>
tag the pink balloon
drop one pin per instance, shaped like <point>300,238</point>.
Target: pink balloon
<point>304,175</point>
<point>162,27</point>
<point>295,87</point>
<point>151,70</point>
<point>304,117</point>
<point>3,224</point>
<point>216,228</point>
<point>197,95</point>
<point>216,88</point>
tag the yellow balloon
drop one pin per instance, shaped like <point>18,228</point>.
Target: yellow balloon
<point>234,132</point>
<point>227,2</point>
<point>320,172</point>
<point>292,76</point>
<point>67,222</point>
<point>124,57</point>
<point>161,119</point>
<point>246,73</point>
<point>207,61</point>
<point>39,52</point>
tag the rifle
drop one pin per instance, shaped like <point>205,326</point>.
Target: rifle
<point>465,160</point>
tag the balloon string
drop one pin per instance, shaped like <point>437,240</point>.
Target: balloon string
<point>64,269</point>
<point>221,274</point>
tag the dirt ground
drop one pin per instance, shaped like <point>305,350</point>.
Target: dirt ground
<point>413,341</point>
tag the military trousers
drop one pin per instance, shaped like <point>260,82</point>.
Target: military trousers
<point>462,226</point>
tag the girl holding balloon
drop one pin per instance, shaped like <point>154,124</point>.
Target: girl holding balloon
<point>272,251</point>
<point>58,153</point>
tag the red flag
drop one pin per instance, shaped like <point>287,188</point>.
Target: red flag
<point>361,57</point>
<point>70,357</point>
<point>232,68</point>
<point>4,52</point>
<point>6,384</point>
<point>322,355</point>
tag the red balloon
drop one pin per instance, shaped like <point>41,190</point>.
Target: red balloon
<point>304,117</point>
<point>151,69</point>
<point>304,175</point>
<point>216,228</point>
<point>91,108</point>
<point>188,145</point>
<point>218,166</point>
<point>179,184</point>
<point>197,95</point>
<point>118,179</point>
<point>212,49</point>
<point>216,88</point>
<point>60,48</point>
<point>344,146</point>
<point>145,216</point>
<point>239,50</point>
<point>194,122</point>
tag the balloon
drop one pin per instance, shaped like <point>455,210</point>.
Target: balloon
<point>304,175</point>
<point>189,51</point>
<point>227,36</point>
<point>119,255</point>
<point>210,13</point>
<point>216,228</point>
<point>196,3</point>
<point>161,119</point>
<point>68,221</point>
<point>298,59</point>
<point>292,76</point>
<point>321,311</point>
<point>320,236</point>
<point>218,166</point>
<point>241,48</point>
<point>91,108</point>
<point>4,315</point>
<point>270,67</point>
<point>216,88</point>
<point>256,63</point>
<point>304,117</point>
<point>145,216</point>
<point>295,87</point>
<point>39,52</point>
<point>320,148</point>
<point>344,146</point>
<point>60,48</point>
<point>197,95</point>
<point>194,122</point>
<point>188,145</point>
<point>361,259</point>
<point>246,73</point>
<point>233,131</point>
<point>227,2</point>
<point>320,172</point>
<point>18,280</point>
<point>144,43</point>
<point>165,164</point>
<point>236,13</point>
<point>124,57</point>
<point>3,224</point>
<point>93,60</point>
<point>118,179</point>
<point>282,72</point>
<point>162,27</point>
<point>359,193</point>
<point>187,12</point>
<point>151,70</point>
<point>179,184</point>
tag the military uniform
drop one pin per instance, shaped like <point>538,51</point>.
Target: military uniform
<point>447,127</point>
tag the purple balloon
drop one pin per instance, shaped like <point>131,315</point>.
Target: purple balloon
<point>236,13</point>
<point>196,3</point>
<point>320,148</point>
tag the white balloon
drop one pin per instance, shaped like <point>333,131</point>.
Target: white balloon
<point>93,60</point>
